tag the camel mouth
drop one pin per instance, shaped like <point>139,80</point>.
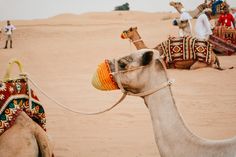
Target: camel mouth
<point>103,78</point>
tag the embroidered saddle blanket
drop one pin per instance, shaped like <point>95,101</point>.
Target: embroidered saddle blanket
<point>226,33</point>
<point>14,98</point>
<point>186,48</point>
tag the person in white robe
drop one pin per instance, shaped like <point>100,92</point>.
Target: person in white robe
<point>8,29</point>
<point>203,28</point>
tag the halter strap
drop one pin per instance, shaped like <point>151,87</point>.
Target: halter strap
<point>151,91</point>
<point>135,41</point>
<point>169,82</point>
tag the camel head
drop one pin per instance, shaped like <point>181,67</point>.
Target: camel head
<point>130,33</point>
<point>177,5</point>
<point>134,73</point>
<point>134,37</point>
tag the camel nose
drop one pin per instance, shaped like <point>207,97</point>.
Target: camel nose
<point>103,79</point>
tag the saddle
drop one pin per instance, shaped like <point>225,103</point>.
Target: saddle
<point>16,97</point>
<point>177,49</point>
<point>226,33</point>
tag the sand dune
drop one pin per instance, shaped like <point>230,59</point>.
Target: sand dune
<point>61,54</point>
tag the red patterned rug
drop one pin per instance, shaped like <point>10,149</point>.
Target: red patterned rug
<point>14,98</point>
<point>186,48</point>
<point>226,33</point>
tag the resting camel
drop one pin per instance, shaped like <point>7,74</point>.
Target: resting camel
<point>20,135</point>
<point>192,63</point>
<point>172,137</point>
<point>196,12</point>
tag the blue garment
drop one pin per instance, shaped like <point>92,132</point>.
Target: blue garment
<point>214,5</point>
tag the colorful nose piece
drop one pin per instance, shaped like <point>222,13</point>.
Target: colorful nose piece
<point>103,79</point>
<point>123,36</point>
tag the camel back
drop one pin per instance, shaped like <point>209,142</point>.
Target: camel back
<point>186,48</point>
<point>14,99</point>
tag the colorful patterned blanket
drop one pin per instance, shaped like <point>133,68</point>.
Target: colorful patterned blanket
<point>186,48</point>
<point>226,33</point>
<point>14,98</point>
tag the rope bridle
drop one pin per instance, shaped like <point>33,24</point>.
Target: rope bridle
<point>28,79</point>
<point>135,41</point>
<point>117,73</point>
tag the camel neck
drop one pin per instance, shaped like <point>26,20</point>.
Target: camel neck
<point>169,128</point>
<point>138,42</point>
<point>139,45</point>
<point>196,12</point>
<point>178,9</point>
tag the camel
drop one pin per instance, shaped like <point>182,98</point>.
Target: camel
<point>20,135</point>
<point>25,139</point>
<point>144,74</point>
<point>192,64</point>
<point>196,12</point>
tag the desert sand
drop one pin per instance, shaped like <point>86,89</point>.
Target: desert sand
<point>61,54</point>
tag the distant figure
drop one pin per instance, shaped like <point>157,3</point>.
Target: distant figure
<point>226,19</point>
<point>203,25</point>
<point>122,7</point>
<point>214,6</point>
<point>8,31</point>
<point>185,27</point>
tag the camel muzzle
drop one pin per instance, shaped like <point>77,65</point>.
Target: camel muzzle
<point>124,35</point>
<point>103,79</point>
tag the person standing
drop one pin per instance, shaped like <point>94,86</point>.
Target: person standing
<point>185,27</point>
<point>203,25</point>
<point>226,19</point>
<point>8,31</point>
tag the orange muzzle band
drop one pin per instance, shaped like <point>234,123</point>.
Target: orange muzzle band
<point>123,36</point>
<point>103,79</point>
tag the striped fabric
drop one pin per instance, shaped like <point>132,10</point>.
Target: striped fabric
<point>226,33</point>
<point>186,48</point>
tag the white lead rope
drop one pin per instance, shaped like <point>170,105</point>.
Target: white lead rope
<point>67,108</point>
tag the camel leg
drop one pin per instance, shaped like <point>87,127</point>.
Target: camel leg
<point>198,65</point>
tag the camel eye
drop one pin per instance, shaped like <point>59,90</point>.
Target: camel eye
<point>122,65</point>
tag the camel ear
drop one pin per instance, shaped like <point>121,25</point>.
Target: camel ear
<point>131,29</point>
<point>147,57</point>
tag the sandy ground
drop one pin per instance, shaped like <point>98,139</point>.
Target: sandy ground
<point>61,55</point>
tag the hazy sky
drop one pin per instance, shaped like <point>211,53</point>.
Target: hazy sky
<point>34,9</point>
